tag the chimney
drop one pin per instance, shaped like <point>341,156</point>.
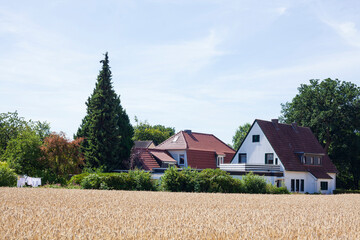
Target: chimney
<point>294,126</point>
<point>275,122</point>
<point>187,131</point>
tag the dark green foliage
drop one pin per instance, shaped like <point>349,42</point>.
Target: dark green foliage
<point>240,135</point>
<point>106,127</point>
<point>254,183</point>
<point>331,109</point>
<point>143,131</point>
<point>344,191</point>
<point>133,180</point>
<point>8,176</point>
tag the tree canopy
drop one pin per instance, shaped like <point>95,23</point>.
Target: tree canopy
<point>240,135</point>
<point>61,155</point>
<point>106,128</point>
<point>157,133</point>
<point>331,108</point>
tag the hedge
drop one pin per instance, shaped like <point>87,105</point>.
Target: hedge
<point>344,191</point>
<point>215,180</point>
<point>133,180</point>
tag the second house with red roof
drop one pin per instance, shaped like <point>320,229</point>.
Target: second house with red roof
<point>185,149</point>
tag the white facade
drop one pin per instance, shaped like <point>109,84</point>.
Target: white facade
<point>255,151</point>
<point>176,155</point>
<point>296,181</point>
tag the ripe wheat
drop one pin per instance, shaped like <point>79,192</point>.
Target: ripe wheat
<point>93,214</point>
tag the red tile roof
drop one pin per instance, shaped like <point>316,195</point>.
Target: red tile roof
<point>162,156</point>
<point>148,161</point>
<point>201,148</point>
<point>288,140</point>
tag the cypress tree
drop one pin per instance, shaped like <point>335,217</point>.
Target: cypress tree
<point>106,127</point>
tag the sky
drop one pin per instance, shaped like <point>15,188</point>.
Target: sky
<point>209,66</point>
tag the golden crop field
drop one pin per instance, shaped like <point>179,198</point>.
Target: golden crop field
<point>93,214</point>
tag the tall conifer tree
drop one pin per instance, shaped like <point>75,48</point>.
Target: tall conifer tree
<point>106,127</point>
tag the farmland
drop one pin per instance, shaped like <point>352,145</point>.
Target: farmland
<point>92,214</point>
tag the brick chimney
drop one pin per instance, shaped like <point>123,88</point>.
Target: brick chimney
<point>187,131</point>
<point>275,122</point>
<point>295,126</point>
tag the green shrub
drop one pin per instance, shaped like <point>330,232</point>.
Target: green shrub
<point>271,189</point>
<point>76,179</point>
<point>179,181</point>
<point>254,183</point>
<point>8,177</point>
<point>92,181</point>
<point>133,180</point>
<point>216,180</point>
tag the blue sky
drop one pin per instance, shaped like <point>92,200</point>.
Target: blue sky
<point>208,66</point>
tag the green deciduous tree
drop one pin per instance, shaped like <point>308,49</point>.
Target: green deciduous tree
<point>158,133</point>
<point>331,109</point>
<point>240,135</point>
<point>106,127</point>
<point>23,152</point>
<point>11,125</point>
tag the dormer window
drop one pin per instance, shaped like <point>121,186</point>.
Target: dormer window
<point>255,138</point>
<point>311,159</point>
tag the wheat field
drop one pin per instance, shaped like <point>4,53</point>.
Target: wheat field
<point>93,214</point>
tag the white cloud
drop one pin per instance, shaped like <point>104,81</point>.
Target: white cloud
<point>346,30</point>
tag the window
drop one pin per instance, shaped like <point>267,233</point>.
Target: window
<point>302,183</point>
<point>307,160</point>
<point>220,160</point>
<point>242,157</point>
<point>297,185</point>
<point>280,183</point>
<point>269,158</point>
<point>276,161</point>
<point>311,160</point>
<point>181,159</point>
<point>324,185</point>
<point>317,160</point>
<point>256,138</point>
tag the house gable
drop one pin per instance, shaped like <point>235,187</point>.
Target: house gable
<point>255,151</point>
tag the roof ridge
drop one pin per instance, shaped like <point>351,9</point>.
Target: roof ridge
<point>288,124</point>
<point>186,143</point>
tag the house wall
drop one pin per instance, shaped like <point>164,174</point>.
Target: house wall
<point>331,184</point>
<point>309,180</point>
<point>175,155</point>
<point>255,151</point>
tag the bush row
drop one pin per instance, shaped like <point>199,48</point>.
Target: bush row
<point>343,191</point>
<point>215,180</point>
<point>133,180</point>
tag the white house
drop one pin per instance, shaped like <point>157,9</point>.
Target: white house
<point>286,155</point>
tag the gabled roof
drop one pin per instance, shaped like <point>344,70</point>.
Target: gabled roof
<point>187,140</point>
<point>142,144</point>
<point>163,156</point>
<point>287,140</point>
<point>152,158</point>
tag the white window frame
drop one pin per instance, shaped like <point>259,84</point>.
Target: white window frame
<point>183,157</point>
<point>219,160</point>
